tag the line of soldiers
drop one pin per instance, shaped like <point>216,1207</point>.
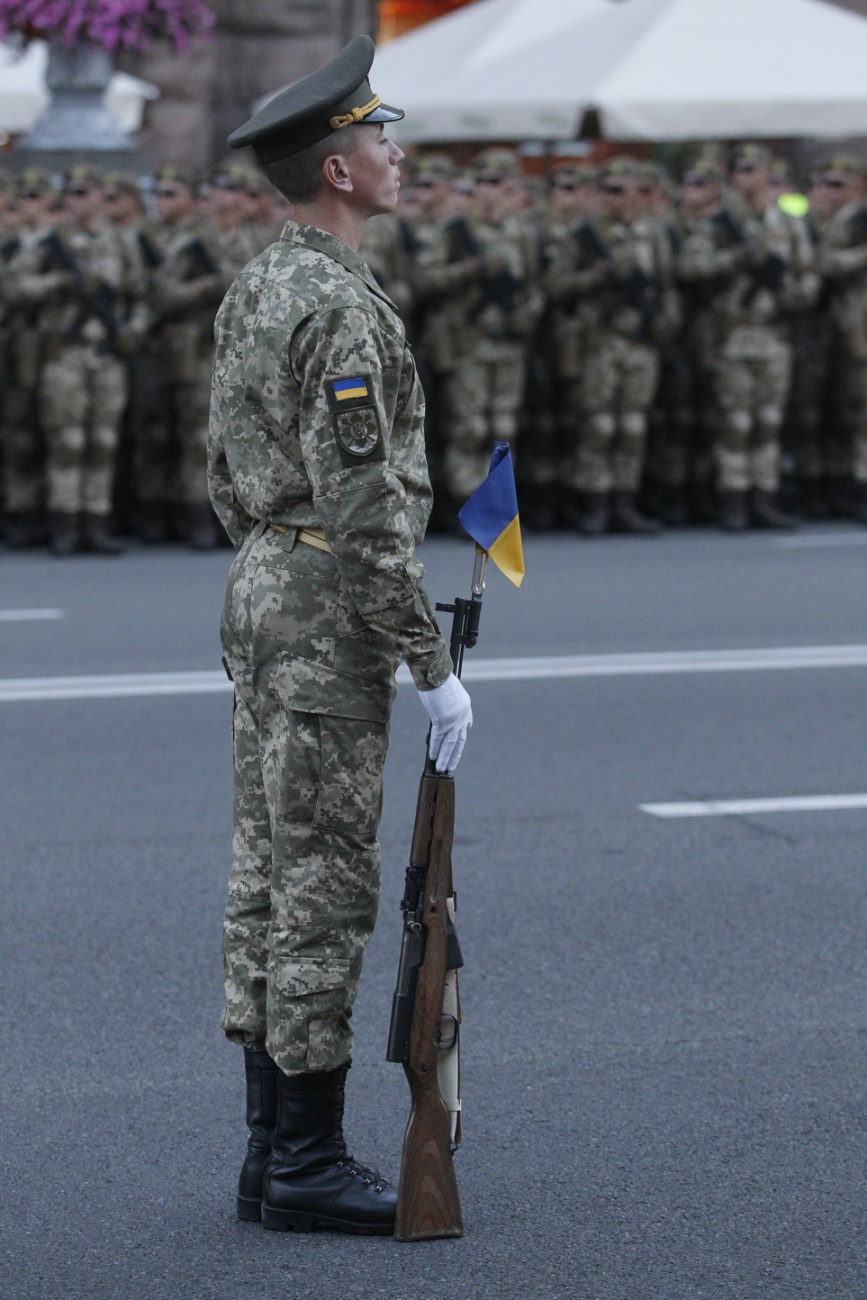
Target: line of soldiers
<point>106,349</point>
<point>656,354</point>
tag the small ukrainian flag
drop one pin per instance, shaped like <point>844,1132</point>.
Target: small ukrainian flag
<point>491,516</point>
<point>346,388</point>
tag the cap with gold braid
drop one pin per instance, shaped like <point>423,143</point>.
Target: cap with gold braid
<point>329,99</point>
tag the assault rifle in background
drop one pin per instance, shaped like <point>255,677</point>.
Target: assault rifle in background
<point>424,1035</point>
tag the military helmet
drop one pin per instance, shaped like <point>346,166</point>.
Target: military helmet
<point>175,176</point>
<point>495,162</point>
<point>32,182</point>
<point>84,175</point>
<point>437,165</point>
<point>703,171</point>
<point>124,182</point>
<point>751,156</point>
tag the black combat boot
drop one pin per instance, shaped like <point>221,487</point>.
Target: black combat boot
<point>261,1074</point>
<point>63,532</point>
<point>594,514</point>
<point>627,518</point>
<point>23,528</point>
<point>765,513</point>
<point>734,515</point>
<point>151,522</point>
<point>311,1181</point>
<point>95,536</point>
<point>673,506</point>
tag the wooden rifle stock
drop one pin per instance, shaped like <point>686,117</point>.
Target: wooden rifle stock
<point>427,1200</point>
<point>425,1014</point>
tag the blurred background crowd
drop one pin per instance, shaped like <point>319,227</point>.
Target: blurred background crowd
<point>659,349</point>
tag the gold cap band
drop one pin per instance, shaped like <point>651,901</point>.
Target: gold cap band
<point>354,114</point>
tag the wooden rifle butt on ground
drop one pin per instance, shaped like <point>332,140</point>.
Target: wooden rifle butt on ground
<point>428,1205</point>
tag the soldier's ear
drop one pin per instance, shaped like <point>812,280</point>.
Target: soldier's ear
<point>336,174</point>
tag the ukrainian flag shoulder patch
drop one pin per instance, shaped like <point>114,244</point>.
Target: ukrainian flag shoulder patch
<point>356,390</point>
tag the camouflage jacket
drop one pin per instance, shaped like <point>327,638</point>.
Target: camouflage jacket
<point>84,283</point>
<point>614,276</point>
<point>842,259</point>
<point>479,281</point>
<point>317,421</point>
<point>750,270</point>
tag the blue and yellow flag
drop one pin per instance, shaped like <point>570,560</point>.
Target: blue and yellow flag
<point>491,516</point>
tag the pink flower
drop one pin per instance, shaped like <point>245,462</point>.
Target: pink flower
<point>113,24</point>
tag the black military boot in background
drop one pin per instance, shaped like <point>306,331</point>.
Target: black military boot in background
<point>594,514</point>
<point>63,532</point>
<point>627,518</point>
<point>96,537</point>
<point>765,513</point>
<point>261,1075</point>
<point>311,1181</point>
<point>734,515</point>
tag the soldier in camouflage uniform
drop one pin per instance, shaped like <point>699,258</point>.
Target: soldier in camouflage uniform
<point>486,266</point>
<point>841,457</point>
<point>88,292</point>
<point>317,471</point>
<point>619,270</point>
<point>754,366</point>
<point>188,286</point>
<point>22,440</point>
<point>556,356</point>
<point>705,265</point>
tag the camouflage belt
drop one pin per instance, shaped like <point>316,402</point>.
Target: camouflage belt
<point>310,536</point>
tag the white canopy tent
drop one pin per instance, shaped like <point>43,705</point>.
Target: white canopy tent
<point>645,70</point>
<point>23,95</point>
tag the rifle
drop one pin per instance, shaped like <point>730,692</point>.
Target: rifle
<point>100,302</point>
<point>500,288</point>
<point>424,1035</point>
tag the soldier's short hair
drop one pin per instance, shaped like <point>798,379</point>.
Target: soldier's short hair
<point>298,177</point>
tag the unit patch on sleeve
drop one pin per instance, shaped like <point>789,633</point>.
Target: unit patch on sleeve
<point>355,419</point>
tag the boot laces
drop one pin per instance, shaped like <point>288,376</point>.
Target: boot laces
<point>369,1177</point>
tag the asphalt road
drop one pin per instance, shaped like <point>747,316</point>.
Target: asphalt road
<point>665,1019</point>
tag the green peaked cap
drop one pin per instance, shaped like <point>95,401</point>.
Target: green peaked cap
<point>329,98</point>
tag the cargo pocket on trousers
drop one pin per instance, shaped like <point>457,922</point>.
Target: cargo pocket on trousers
<point>311,1029</point>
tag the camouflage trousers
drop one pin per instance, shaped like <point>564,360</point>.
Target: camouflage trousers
<point>22,451</point>
<point>81,399</point>
<point>313,692</point>
<point>752,379</point>
<point>481,404</point>
<point>813,438</point>
<point>850,416</point>
<point>612,401</point>
<point>189,408</point>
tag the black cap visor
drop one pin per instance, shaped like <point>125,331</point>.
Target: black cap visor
<point>384,113</point>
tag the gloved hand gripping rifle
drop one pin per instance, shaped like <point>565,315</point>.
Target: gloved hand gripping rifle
<point>425,1017</point>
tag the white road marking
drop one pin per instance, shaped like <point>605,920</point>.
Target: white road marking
<point>114,686</point>
<point>28,615</point>
<point>741,807</point>
<point>117,685</point>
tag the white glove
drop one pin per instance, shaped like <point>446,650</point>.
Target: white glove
<point>451,714</point>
